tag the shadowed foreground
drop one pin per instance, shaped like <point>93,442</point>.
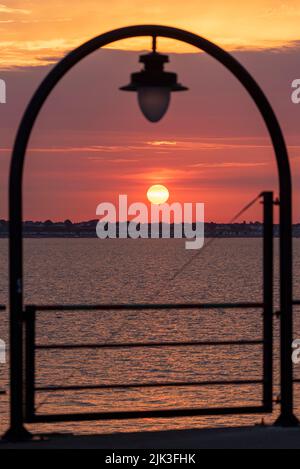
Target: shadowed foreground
<point>235,438</point>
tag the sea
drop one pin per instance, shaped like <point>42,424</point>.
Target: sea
<point>127,271</point>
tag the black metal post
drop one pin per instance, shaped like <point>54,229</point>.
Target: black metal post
<point>287,417</point>
<point>30,316</point>
<point>15,204</point>
<point>268,299</point>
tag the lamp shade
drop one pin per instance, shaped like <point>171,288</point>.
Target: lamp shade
<point>154,86</point>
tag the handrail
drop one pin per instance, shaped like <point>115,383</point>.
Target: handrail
<point>132,306</point>
<point>149,385</point>
<point>148,344</point>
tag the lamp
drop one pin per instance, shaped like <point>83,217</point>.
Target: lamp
<point>154,85</point>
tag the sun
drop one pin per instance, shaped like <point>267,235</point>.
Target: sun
<point>157,194</point>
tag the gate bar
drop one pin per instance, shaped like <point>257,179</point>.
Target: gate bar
<point>165,384</point>
<point>139,306</point>
<point>217,343</point>
<point>29,407</point>
<point>268,298</point>
<point>144,414</point>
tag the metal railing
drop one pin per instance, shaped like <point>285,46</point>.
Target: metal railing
<point>32,346</point>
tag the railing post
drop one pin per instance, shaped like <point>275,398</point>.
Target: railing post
<point>16,431</point>
<point>287,417</point>
<point>29,405</point>
<point>268,299</point>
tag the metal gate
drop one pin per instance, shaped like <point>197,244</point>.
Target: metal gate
<point>16,291</point>
<point>32,347</point>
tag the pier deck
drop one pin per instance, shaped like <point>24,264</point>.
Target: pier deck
<point>233,438</point>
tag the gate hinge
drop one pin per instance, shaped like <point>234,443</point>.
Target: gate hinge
<point>276,201</point>
<point>277,314</point>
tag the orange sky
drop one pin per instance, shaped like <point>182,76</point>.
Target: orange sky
<point>91,141</point>
<point>33,31</point>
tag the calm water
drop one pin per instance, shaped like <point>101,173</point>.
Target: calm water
<point>132,271</point>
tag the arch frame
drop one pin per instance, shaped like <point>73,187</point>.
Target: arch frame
<point>287,418</point>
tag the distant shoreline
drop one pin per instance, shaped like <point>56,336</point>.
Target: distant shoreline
<point>87,229</point>
<point>54,236</point>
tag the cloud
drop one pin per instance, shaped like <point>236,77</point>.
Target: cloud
<point>210,145</point>
<point>232,164</point>
<point>140,146</point>
<point>32,53</point>
<point>255,28</point>
<point>119,160</point>
<point>9,10</point>
<point>157,175</point>
<point>159,143</point>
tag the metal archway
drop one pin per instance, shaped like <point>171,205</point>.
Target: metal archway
<point>15,205</point>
